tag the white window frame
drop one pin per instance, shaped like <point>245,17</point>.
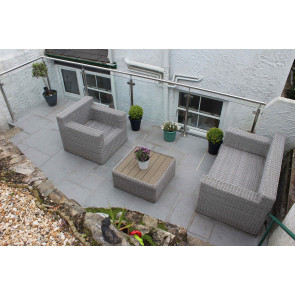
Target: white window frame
<point>197,130</point>
<point>81,84</point>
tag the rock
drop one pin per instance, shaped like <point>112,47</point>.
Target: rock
<point>150,221</point>
<point>179,231</point>
<point>57,196</point>
<point>104,215</point>
<point>74,211</point>
<point>163,238</point>
<point>45,188</point>
<point>25,168</point>
<point>108,234</point>
<point>144,229</point>
<point>192,241</point>
<point>119,215</point>
<point>93,222</point>
<point>37,175</point>
<point>133,216</point>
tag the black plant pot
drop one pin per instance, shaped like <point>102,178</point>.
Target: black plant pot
<point>51,99</point>
<point>135,124</point>
<point>213,148</point>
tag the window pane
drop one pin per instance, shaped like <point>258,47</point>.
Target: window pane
<point>107,98</point>
<point>192,119</point>
<point>206,123</point>
<point>70,81</point>
<point>103,83</point>
<point>194,101</point>
<point>211,106</point>
<point>94,94</point>
<point>91,81</point>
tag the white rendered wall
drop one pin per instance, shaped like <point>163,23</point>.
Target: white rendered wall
<point>255,74</point>
<point>22,90</point>
<point>279,115</point>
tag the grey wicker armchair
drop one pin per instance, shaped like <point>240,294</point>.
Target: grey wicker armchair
<point>241,186</point>
<point>92,131</point>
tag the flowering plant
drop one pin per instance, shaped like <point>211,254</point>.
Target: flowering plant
<point>142,154</point>
<point>170,126</point>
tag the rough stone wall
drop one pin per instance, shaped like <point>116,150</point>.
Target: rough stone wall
<point>22,90</point>
<point>278,115</point>
<point>279,237</point>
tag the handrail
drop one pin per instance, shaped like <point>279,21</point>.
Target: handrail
<point>275,220</point>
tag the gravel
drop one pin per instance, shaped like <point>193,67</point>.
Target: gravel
<point>22,223</point>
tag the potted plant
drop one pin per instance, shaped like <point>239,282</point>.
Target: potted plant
<point>214,136</point>
<point>142,155</point>
<point>170,128</point>
<point>135,116</point>
<point>40,71</point>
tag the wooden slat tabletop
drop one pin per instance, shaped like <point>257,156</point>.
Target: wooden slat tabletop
<point>158,164</point>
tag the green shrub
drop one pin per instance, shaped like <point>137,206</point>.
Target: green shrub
<point>135,112</point>
<point>215,135</point>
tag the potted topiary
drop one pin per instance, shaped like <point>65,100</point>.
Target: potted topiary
<point>135,116</point>
<point>40,71</point>
<point>170,128</point>
<point>214,136</point>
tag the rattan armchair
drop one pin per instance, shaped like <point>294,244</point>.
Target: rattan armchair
<point>91,131</point>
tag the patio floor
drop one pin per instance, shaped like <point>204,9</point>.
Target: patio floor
<point>91,184</point>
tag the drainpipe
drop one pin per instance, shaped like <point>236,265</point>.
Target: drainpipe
<point>176,78</point>
<point>166,89</point>
<point>110,56</point>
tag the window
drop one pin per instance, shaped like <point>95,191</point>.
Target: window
<point>70,81</point>
<point>204,113</point>
<point>99,87</point>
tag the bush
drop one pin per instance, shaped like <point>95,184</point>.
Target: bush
<point>215,135</point>
<point>135,112</point>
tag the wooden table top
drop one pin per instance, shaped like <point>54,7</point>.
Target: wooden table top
<point>158,164</point>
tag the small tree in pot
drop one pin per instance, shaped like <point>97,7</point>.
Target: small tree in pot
<point>135,116</point>
<point>40,71</point>
<point>214,136</point>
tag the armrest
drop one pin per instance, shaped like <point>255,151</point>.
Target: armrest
<point>108,116</point>
<point>230,195</point>
<point>248,142</point>
<point>78,112</point>
<point>84,134</point>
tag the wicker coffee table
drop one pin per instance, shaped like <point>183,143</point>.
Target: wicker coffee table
<point>146,184</point>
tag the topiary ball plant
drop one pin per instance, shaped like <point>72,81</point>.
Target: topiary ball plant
<point>215,135</point>
<point>135,112</point>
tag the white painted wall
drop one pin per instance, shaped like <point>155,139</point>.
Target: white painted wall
<point>255,74</point>
<point>279,115</point>
<point>22,90</point>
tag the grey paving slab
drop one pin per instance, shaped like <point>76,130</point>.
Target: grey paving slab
<point>32,124</point>
<point>120,154</point>
<point>202,226</point>
<point>22,147</point>
<point>104,171</point>
<point>74,191</point>
<point>19,138</point>
<point>224,235</point>
<point>82,171</point>
<point>47,140</point>
<point>186,180</point>
<point>43,109</point>
<point>184,210</point>
<point>206,163</point>
<point>61,165</point>
<point>192,144</point>
<point>92,182</point>
<point>36,157</point>
<point>62,106</point>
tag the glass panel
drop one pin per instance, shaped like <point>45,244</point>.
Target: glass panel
<point>107,98</point>
<point>211,106</point>
<point>194,101</point>
<point>70,81</point>
<point>206,123</point>
<point>103,83</point>
<point>192,119</point>
<point>94,94</point>
<point>91,80</point>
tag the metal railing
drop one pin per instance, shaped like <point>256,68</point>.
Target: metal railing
<point>188,96</point>
<point>275,220</point>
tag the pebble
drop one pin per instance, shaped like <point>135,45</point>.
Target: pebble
<point>23,223</point>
